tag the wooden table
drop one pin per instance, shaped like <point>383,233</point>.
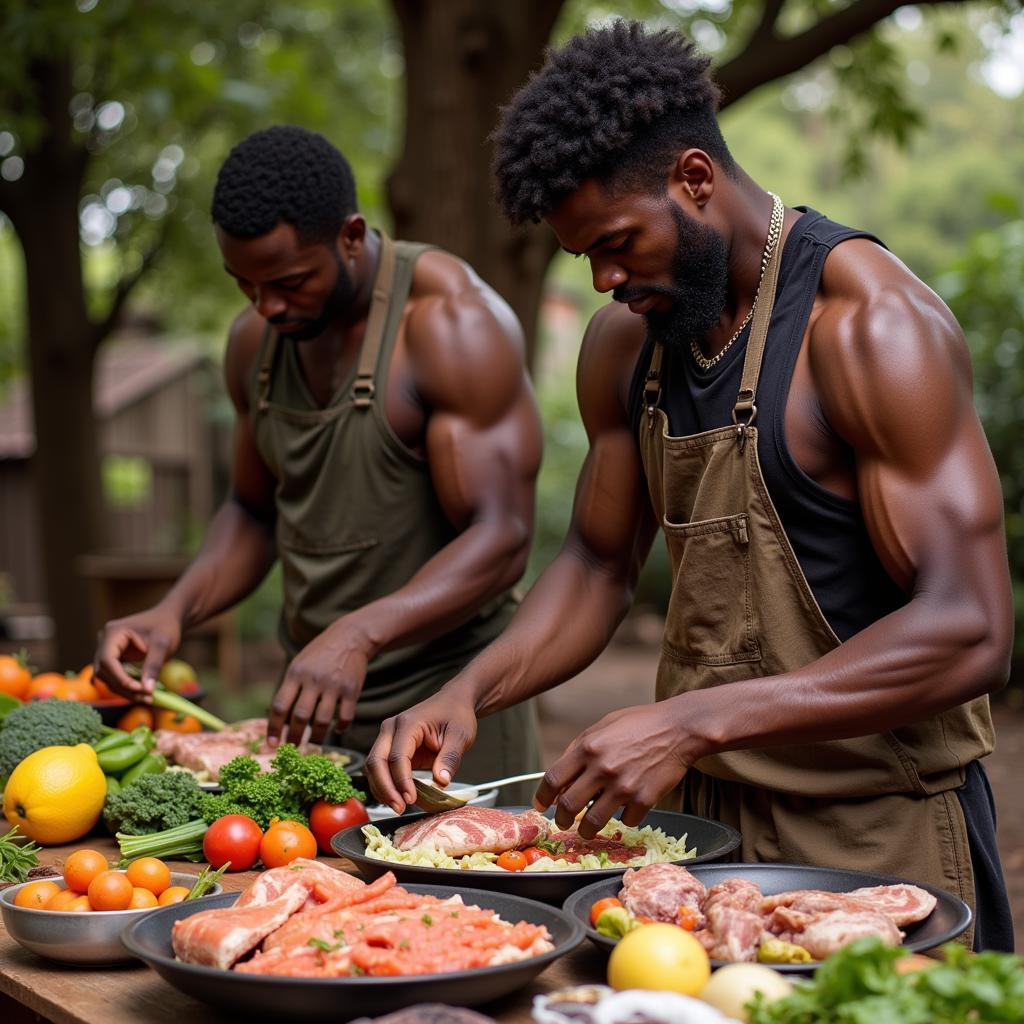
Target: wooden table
<point>33,989</point>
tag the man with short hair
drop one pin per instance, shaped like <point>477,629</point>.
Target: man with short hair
<point>386,448</point>
<point>793,409</point>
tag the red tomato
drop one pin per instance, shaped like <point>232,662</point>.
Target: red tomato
<point>513,860</point>
<point>325,819</point>
<point>235,838</point>
<point>534,854</point>
<point>601,906</point>
<point>285,842</point>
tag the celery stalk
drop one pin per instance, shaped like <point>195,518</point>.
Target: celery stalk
<point>182,706</point>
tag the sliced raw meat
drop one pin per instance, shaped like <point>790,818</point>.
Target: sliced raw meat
<point>217,938</point>
<point>905,904</point>
<point>737,933</point>
<point>831,932</point>
<point>320,880</point>
<point>814,901</point>
<point>473,830</point>
<point>659,890</point>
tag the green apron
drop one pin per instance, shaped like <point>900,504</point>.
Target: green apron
<point>357,517</point>
<point>741,608</point>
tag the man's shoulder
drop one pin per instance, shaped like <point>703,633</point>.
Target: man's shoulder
<point>245,337</point>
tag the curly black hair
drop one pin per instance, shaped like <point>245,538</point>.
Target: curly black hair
<point>616,104</point>
<point>286,174</point>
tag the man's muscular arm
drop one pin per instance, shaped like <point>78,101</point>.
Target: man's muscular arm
<point>572,611</point>
<point>483,449</point>
<point>893,376</point>
<point>236,554</point>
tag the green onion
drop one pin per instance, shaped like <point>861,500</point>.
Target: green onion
<point>182,706</point>
<point>185,841</point>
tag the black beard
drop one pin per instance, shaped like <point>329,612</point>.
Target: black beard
<point>339,299</point>
<point>700,284</point>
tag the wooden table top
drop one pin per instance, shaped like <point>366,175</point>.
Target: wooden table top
<point>134,994</point>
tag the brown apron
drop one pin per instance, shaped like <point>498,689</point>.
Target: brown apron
<point>741,608</point>
<point>358,516</point>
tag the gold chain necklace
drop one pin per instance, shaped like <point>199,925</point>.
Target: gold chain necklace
<point>774,231</point>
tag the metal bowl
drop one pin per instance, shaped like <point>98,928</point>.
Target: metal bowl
<point>77,938</point>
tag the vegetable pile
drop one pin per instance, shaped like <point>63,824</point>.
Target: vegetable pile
<point>862,984</point>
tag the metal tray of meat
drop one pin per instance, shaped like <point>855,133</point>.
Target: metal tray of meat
<point>949,918</point>
<point>309,999</point>
<point>711,839</point>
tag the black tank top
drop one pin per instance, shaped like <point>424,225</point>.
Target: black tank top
<point>826,531</point>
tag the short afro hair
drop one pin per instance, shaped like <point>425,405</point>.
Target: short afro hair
<point>286,174</point>
<point>617,104</point>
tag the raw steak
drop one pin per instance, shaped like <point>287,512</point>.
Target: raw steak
<point>905,904</point>
<point>473,830</point>
<point>310,873</point>
<point>830,932</point>
<point>659,890</point>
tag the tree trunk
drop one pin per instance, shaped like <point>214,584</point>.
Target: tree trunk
<point>43,207</point>
<point>464,59</point>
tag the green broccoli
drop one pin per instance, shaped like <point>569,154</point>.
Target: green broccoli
<point>154,803</point>
<point>46,723</point>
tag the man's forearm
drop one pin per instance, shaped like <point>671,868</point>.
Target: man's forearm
<point>564,623</point>
<point>236,555</point>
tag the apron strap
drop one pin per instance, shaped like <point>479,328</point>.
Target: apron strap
<point>266,369</point>
<point>363,386</point>
<point>652,384</point>
<point>745,410</point>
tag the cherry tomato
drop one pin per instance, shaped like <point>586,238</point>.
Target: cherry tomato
<point>285,842</point>
<point>235,838</point>
<point>326,818</point>
<point>175,721</point>
<point>601,906</point>
<point>513,860</point>
<point>534,854</point>
<point>138,715</point>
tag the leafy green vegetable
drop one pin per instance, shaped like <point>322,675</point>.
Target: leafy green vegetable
<point>16,858</point>
<point>206,880</point>
<point>46,723</point>
<point>153,803</point>
<point>294,782</point>
<point>861,985</point>
<point>184,842</point>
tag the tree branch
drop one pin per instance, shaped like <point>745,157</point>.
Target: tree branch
<point>125,287</point>
<point>766,57</point>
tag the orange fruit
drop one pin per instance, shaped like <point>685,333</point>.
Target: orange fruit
<point>134,717</point>
<point>110,890</point>
<point>82,867</point>
<point>175,721</point>
<point>62,899</point>
<point>142,899</point>
<point>36,895</point>
<point>286,841</point>
<point>44,685</point>
<point>79,905</point>
<point>56,794</point>
<point>15,676</point>
<point>175,894</point>
<point>149,873</point>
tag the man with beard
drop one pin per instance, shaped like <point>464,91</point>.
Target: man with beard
<point>386,447</point>
<point>793,408</point>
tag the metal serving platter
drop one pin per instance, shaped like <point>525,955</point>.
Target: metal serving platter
<point>949,918</point>
<point>307,999</point>
<point>712,840</point>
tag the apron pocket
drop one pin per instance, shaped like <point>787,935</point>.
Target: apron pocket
<point>710,618</point>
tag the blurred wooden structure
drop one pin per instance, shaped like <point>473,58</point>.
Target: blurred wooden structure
<point>154,400</point>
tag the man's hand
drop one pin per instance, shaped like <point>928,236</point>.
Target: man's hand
<point>629,759</point>
<point>433,734</point>
<point>152,635</point>
<point>324,680</point>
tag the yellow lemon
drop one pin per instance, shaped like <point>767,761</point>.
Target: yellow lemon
<point>56,794</point>
<point>662,957</point>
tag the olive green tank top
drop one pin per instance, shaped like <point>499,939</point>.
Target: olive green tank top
<point>357,515</point>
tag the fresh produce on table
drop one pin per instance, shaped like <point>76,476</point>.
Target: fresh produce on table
<point>733,986</point>
<point>326,818</point>
<point>46,723</point>
<point>177,721</point>
<point>17,858</point>
<point>662,957</point>
<point>286,841</point>
<point>56,794</point>
<point>15,674</point>
<point>293,785</point>
<point>864,983</point>
<point>154,803</point>
<point>233,842</point>
<point>179,677</point>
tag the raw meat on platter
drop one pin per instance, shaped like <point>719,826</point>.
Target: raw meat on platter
<point>474,830</point>
<point>735,919</point>
<point>324,923</point>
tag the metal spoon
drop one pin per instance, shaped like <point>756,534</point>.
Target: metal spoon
<point>432,799</point>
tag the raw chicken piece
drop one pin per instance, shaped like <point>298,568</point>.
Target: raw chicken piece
<point>659,890</point>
